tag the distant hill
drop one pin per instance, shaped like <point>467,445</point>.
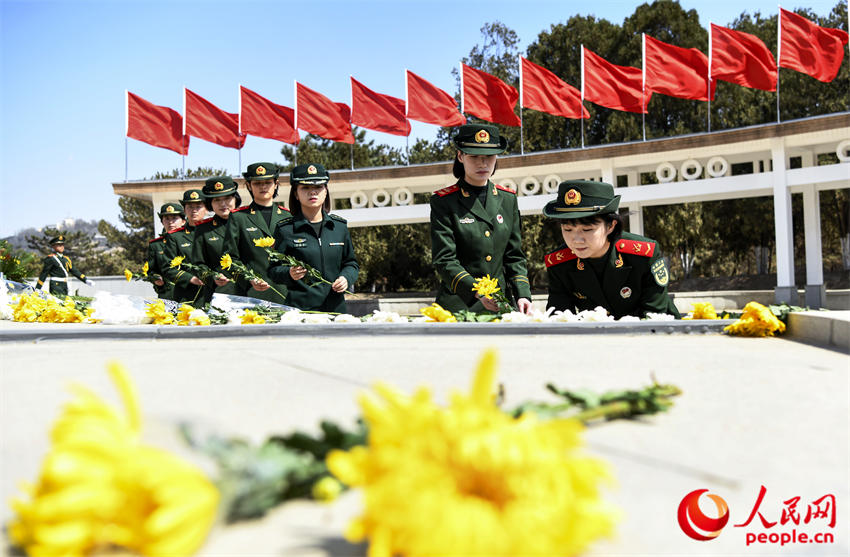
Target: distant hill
<point>19,240</point>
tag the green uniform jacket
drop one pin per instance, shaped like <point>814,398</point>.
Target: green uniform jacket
<point>634,280</point>
<point>469,241</point>
<point>157,264</point>
<point>243,228</point>
<point>332,254</point>
<point>58,267</point>
<point>179,242</point>
<point>207,248</point>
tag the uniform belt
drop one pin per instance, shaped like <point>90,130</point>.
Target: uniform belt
<point>54,279</point>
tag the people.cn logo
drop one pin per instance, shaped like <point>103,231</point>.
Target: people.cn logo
<point>695,523</point>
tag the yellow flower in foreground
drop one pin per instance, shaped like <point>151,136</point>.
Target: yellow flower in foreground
<point>100,486</point>
<point>226,261</point>
<point>158,314</point>
<point>435,312</point>
<point>756,321</point>
<point>326,490</point>
<point>128,274</point>
<point>486,286</point>
<point>266,242</point>
<point>469,479</point>
<point>703,310</point>
<point>33,308</point>
<point>145,269</point>
<point>177,260</point>
<point>251,317</point>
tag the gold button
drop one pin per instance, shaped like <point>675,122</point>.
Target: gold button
<point>487,233</point>
<point>488,258</point>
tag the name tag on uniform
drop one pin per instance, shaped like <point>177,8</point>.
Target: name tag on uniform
<point>252,229</point>
<point>467,220</point>
<point>336,244</point>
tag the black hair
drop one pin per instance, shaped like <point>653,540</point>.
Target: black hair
<point>208,201</point>
<point>607,218</point>
<point>457,168</point>
<point>295,205</point>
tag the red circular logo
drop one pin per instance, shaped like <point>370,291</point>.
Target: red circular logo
<point>695,523</point>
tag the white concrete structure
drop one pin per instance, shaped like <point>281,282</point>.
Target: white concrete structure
<point>688,168</point>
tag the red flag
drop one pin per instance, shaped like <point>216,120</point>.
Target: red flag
<point>741,58</point>
<point>206,121</point>
<point>159,126</point>
<point>810,48</point>
<point>676,71</point>
<point>317,114</point>
<point>613,86</point>
<point>544,91</point>
<point>377,112</point>
<point>429,104</point>
<point>488,97</point>
<point>263,118</point>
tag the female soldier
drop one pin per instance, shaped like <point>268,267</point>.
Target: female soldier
<point>599,264</point>
<point>220,197</point>
<point>475,229</point>
<point>317,238</point>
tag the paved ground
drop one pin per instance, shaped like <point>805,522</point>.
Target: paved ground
<point>755,412</point>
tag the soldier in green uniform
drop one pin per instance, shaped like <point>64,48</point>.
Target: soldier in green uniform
<point>259,220</point>
<point>59,268</point>
<point>172,217</point>
<point>220,197</point>
<point>599,264</point>
<point>317,238</point>
<point>179,242</point>
<point>475,227</point>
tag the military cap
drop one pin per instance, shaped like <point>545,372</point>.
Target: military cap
<point>261,171</point>
<point>192,196</point>
<point>480,139</point>
<point>171,209</point>
<point>582,198</point>
<point>309,174</point>
<point>60,239</point>
<point>219,186</point>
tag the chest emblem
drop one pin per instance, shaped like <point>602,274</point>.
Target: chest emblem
<point>299,241</point>
<point>467,220</point>
<point>580,265</point>
<point>500,218</point>
<point>625,292</point>
<point>619,261</point>
<point>213,238</point>
<point>252,229</point>
<point>185,244</point>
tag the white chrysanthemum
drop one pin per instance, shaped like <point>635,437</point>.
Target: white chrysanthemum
<point>659,316</point>
<point>346,318</point>
<point>5,309</point>
<point>628,319</point>
<point>386,317</point>
<point>515,317</point>
<point>599,313</point>
<point>314,318</point>
<point>565,316</point>
<point>112,309</point>
<point>234,317</point>
<point>290,317</point>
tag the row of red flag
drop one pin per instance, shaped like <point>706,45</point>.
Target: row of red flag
<point>736,57</point>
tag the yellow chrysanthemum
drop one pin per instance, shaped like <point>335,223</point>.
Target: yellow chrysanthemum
<point>251,317</point>
<point>435,312</point>
<point>266,242</point>
<point>326,490</point>
<point>187,315</point>
<point>756,321</point>
<point>469,479</point>
<point>486,286</point>
<point>145,269</point>
<point>177,260</point>
<point>226,261</point>
<point>128,274</point>
<point>99,486</point>
<point>33,308</point>
<point>158,314</point>
<point>702,310</point>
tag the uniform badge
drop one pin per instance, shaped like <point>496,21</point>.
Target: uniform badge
<point>218,186</point>
<point>580,265</point>
<point>572,197</point>
<point>260,171</point>
<point>193,195</point>
<point>467,220</point>
<point>61,238</point>
<point>169,209</point>
<point>619,261</point>
<point>482,137</point>
<point>464,193</point>
<point>625,292</point>
<point>251,229</point>
<point>299,242</point>
<point>659,273</point>
<point>185,244</point>
<point>213,239</point>
<point>500,218</point>
<point>312,170</point>
<point>579,295</point>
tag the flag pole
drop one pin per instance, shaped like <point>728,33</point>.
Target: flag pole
<point>521,138</point>
<point>708,116</point>
<point>351,149</point>
<point>778,55</point>
<point>582,96</point>
<point>460,66</point>
<point>295,119</point>
<point>239,129</point>
<point>126,127</point>
<point>183,139</point>
<point>406,111</point>
<point>643,86</point>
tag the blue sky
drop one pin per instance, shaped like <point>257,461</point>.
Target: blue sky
<point>66,64</point>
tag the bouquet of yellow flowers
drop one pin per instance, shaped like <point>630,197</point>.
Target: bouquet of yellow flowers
<point>144,276</point>
<point>487,287</point>
<point>313,275</point>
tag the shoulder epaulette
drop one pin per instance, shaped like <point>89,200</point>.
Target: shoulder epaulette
<point>157,239</point>
<point>505,188</point>
<point>204,221</point>
<point>281,207</point>
<point>182,228</point>
<point>242,208</point>
<point>446,191</point>
<point>337,217</point>
<point>636,247</point>
<point>559,256</point>
<point>285,220</point>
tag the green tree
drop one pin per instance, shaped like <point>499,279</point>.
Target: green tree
<point>334,155</point>
<point>200,172</point>
<point>133,242</point>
